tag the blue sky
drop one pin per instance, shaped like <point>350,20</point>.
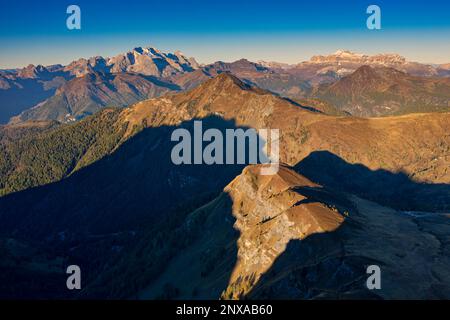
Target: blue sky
<point>282,30</point>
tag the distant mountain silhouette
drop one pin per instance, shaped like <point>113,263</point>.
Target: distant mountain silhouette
<point>334,84</point>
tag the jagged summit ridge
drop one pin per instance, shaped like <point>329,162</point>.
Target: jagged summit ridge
<point>144,60</point>
<point>349,56</point>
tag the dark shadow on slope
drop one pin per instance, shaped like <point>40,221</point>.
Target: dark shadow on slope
<point>136,180</point>
<point>17,99</point>
<point>109,78</point>
<point>395,190</point>
<point>318,267</point>
<point>188,256</point>
<point>307,108</point>
<point>160,83</point>
<point>93,217</point>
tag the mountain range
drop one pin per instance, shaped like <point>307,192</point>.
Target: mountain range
<point>87,94</point>
<point>103,193</point>
<point>344,62</point>
<point>147,61</point>
<point>44,90</point>
<point>69,93</point>
<point>378,91</point>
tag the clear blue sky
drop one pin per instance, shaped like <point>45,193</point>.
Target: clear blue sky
<point>282,30</point>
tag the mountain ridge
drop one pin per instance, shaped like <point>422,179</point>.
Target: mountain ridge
<point>103,193</point>
<point>31,86</point>
<point>87,94</point>
<point>380,91</point>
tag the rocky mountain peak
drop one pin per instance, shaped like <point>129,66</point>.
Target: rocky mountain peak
<point>346,56</point>
<point>143,60</point>
<point>32,71</point>
<point>225,83</point>
<point>271,211</point>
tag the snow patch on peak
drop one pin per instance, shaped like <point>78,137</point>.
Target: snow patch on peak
<point>347,53</point>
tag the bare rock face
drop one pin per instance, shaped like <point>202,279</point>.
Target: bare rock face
<point>348,56</point>
<point>81,67</point>
<point>344,62</point>
<point>285,237</point>
<point>270,211</point>
<point>145,61</point>
<point>32,72</point>
<point>152,62</point>
<point>300,240</point>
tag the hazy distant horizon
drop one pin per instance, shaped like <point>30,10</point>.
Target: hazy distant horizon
<point>290,32</point>
<point>303,58</point>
